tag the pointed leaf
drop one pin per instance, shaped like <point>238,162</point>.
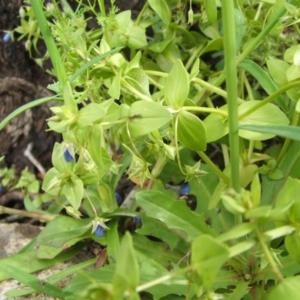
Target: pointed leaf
<point>145,117</point>
<point>177,85</point>
<point>208,255</point>
<point>191,131</point>
<point>175,214</point>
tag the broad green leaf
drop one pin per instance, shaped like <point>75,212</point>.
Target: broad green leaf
<point>240,27</point>
<point>137,78</point>
<point>80,267</point>
<point>113,242</point>
<point>61,230</point>
<point>277,69</point>
<point>286,131</point>
<point>28,261</point>
<point>191,131</point>
<point>264,80</point>
<point>73,191</point>
<point>136,36</point>
<point>177,85</point>
<point>34,282</point>
<point>216,125</point>
<point>288,289</point>
<point>213,45</point>
<point>115,87</point>
<point>145,117</point>
<point>292,73</point>
<point>162,9</point>
<point>157,229</point>
<point>175,214</point>
<point>58,161</point>
<point>237,232</point>
<point>269,114</point>
<point>211,10</point>
<point>126,277</point>
<point>89,114</point>
<point>69,98</point>
<point>208,255</point>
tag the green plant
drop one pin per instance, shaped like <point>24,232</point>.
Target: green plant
<point>164,107</point>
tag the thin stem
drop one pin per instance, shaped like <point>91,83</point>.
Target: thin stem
<point>17,212</point>
<point>50,43</point>
<point>287,142</point>
<point>231,85</point>
<point>269,256</point>
<point>269,99</point>
<point>207,110</point>
<point>214,167</point>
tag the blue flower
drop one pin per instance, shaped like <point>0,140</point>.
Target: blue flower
<point>6,37</point>
<point>184,189</point>
<point>137,220</point>
<point>99,232</point>
<point>119,198</point>
<point>68,156</point>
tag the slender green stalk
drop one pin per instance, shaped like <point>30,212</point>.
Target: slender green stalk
<point>269,256</point>
<point>269,98</point>
<point>214,167</point>
<point>287,142</point>
<point>231,85</point>
<point>32,215</point>
<point>50,43</point>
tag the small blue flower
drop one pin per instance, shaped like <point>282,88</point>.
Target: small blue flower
<point>119,198</point>
<point>1,188</point>
<point>137,220</point>
<point>99,232</point>
<point>68,156</point>
<point>184,189</point>
<point>6,37</point>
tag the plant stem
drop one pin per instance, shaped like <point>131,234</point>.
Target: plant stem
<point>231,85</point>
<point>50,43</point>
<point>269,99</point>
<point>269,256</point>
<point>17,212</point>
<point>215,168</point>
<point>287,142</point>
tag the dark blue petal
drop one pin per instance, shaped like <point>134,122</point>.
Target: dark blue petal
<point>1,188</point>
<point>119,198</point>
<point>137,220</point>
<point>68,156</point>
<point>99,231</point>
<point>6,37</point>
<point>184,189</point>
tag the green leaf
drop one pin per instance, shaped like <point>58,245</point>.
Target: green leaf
<point>113,243</point>
<point>34,282</point>
<point>28,261</point>
<point>264,80</point>
<point>139,80</point>
<point>73,191</point>
<point>288,289</point>
<point>136,36</point>
<point>157,229</point>
<point>269,114</point>
<point>216,125</point>
<point>211,10</point>
<point>89,114</point>
<point>61,230</point>
<point>126,276</point>
<point>145,117</point>
<point>162,9</point>
<point>277,69</point>
<point>208,255</point>
<point>175,214</point>
<point>237,232</point>
<point>115,87</point>
<point>177,85</point>
<point>286,131</point>
<point>191,131</point>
